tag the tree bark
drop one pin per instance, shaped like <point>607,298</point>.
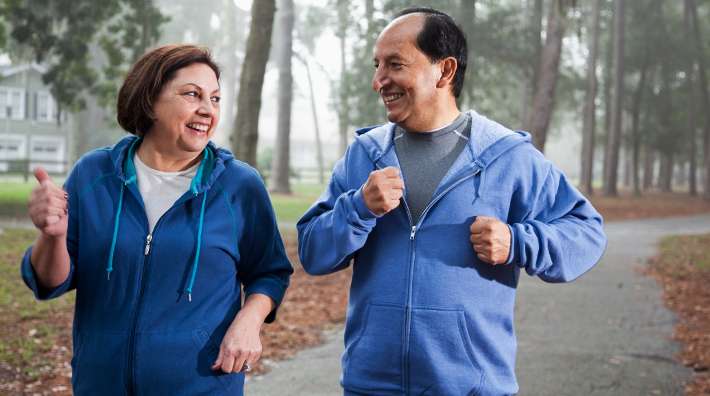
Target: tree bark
<point>319,149</point>
<point>692,190</point>
<point>649,160</point>
<point>281,159</point>
<point>635,133</point>
<point>342,11</point>
<point>700,54</point>
<point>544,97</point>
<point>467,18</point>
<point>246,124</point>
<point>613,142</point>
<point>525,78</point>
<point>589,126</point>
<point>666,173</point>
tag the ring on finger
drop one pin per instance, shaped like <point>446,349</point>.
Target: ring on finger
<point>246,367</point>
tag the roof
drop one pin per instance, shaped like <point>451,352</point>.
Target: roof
<point>21,68</point>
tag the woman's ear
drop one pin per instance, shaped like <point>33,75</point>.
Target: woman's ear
<point>448,69</point>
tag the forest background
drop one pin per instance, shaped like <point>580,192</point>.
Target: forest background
<point>614,92</point>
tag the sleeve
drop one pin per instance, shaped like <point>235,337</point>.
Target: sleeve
<point>335,227</point>
<point>28,273</point>
<point>264,267</point>
<point>563,235</point>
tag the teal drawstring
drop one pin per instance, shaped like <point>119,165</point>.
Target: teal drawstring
<point>199,243</point>
<point>115,234</point>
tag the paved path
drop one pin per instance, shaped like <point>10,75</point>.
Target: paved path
<point>606,333</point>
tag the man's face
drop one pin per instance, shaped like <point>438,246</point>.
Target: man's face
<point>404,76</point>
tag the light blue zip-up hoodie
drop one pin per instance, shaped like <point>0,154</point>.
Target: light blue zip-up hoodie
<point>152,310</point>
<point>425,315</point>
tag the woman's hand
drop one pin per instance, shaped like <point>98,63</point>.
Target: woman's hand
<point>241,346</point>
<point>48,206</point>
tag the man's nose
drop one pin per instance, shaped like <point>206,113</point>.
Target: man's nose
<point>380,80</point>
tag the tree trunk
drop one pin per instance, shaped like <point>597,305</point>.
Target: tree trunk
<point>666,173</point>
<point>525,78</point>
<point>544,97</point>
<point>700,54</point>
<point>467,18</point>
<point>612,153</point>
<point>691,104</point>
<point>230,72</point>
<point>537,39</point>
<point>281,159</point>
<point>635,134</point>
<point>589,123</point>
<point>246,124</point>
<point>649,160</point>
<point>319,149</point>
<point>342,11</point>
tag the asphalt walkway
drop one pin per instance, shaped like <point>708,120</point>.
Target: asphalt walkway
<point>606,333</point>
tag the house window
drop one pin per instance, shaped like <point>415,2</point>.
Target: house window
<point>15,98</point>
<point>46,107</point>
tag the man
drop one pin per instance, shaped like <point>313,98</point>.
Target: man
<point>440,211</point>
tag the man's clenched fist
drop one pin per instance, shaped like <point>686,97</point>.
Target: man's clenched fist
<point>383,190</point>
<point>491,239</point>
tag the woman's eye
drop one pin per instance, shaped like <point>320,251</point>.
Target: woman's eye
<point>192,94</point>
<point>216,99</point>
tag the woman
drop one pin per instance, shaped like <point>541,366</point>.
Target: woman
<point>158,234</point>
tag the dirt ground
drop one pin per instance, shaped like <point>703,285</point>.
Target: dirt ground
<point>315,304</point>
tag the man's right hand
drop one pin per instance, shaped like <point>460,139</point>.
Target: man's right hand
<point>383,190</point>
<point>48,206</point>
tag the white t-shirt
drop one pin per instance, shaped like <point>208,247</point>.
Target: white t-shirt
<point>159,189</point>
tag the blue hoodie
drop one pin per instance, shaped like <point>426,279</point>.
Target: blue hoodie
<point>151,311</point>
<point>425,315</point>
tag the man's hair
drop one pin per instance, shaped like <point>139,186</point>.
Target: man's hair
<point>442,37</point>
<point>146,80</point>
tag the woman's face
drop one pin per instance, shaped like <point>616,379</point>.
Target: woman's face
<point>186,113</point>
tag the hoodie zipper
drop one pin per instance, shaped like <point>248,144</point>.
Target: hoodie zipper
<point>134,322</point>
<point>411,264</point>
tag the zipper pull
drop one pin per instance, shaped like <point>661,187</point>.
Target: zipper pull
<point>411,236</point>
<point>147,246</point>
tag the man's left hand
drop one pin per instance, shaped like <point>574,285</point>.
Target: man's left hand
<point>491,239</point>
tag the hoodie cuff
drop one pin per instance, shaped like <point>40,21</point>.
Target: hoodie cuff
<point>28,276</point>
<point>512,254</point>
<point>271,288</point>
<point>361,208</point>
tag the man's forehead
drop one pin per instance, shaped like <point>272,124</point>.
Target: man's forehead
<point>399,37</point>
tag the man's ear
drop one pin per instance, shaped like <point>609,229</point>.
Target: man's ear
<point>448,69</point>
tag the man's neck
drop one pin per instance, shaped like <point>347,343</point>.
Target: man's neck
<point>437,118</point>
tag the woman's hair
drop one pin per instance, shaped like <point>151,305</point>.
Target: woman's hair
<point>146,80</point>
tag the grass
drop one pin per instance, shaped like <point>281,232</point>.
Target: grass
<point>28,328</point>
<point>690,251</point>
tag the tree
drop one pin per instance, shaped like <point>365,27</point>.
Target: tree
<point>589,123</point>
<point>246,125</point>
<point>613,141</point>
<point>544,97</point>
<point>280,164</point>
<point>691,99</point>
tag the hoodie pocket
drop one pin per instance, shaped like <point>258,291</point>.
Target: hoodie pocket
<point>441,358</point>
<point>372,362</point>
<point>98,364</point>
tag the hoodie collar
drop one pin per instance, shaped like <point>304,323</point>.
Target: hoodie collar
<point>487,142</point>
<point>211,167</point>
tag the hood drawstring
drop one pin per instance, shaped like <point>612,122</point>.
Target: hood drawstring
<point>199,243</point>
<point>482,179</point>
<point>115,234</point>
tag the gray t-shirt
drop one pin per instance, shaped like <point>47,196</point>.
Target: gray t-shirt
<point>425,157</point>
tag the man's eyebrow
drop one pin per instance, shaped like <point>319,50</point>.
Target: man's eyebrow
<point>198,87</point>
<point>395,56</point>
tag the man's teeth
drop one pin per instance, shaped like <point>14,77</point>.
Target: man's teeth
<point>199,127</point>
<point>390,98</point>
